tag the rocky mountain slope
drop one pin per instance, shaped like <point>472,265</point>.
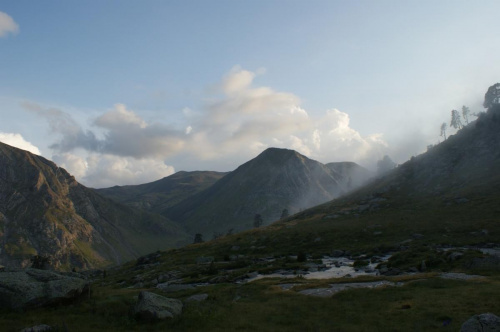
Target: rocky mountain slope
<point>275,180</point>
<point>354,174</point>
<point>45,211</point>
<point>159,195</point>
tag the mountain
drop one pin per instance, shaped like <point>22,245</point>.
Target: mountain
<point>45,211</point>
<point>354,174</point>
<point>275,180</point>
<point>159,195</point>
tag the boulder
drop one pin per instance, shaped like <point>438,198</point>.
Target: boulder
<point>482,323</point>
<point>197,298</point>
<point>169,288</point>
<point>21,289</point>
<point>151,306</point>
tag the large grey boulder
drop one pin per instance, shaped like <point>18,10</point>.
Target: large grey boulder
<point>151,306</point>
<point>32,288</point>
<point>482,323</point>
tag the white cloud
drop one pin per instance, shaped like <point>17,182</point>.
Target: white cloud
<point>102,170</point>
<point>237,80</point>
<point>75,165</point>
<point>221,135</point>
<point>7,25</point>
<point>120,117</point>
<point>18,141</point>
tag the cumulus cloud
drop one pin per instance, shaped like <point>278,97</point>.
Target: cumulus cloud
<point>239,123</point>
<point>7,25</point>
<point>16,140</point>
<point>60,122</point>
<point>103,170</point>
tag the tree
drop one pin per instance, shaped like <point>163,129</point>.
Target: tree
<point>492,96</point>
<point>444,126</point>
<point>257,221</point>
<point>455,122</point>
<point>385,165</point>
<point>465,114</point>
<point>284,214</point>
<point>40,262</point>
<point>198,238</point>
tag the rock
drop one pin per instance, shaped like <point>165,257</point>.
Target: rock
<point>393,271</point>
<point>485,263</point>
<point>235,248</point>
<point>151,306</point>
<point>461,200</point>
<point>417,236</point>
<point>197,298</point>
<point>38,328</point>
<point>169,288</point>
<point>251,275</point>
<point>482,323</point>
<point>32,288</point>
<point>383,269</point>
<point>423,267</point>
<point>219,279</point>
<point>204,260</point>
<point>337,253</point>
<point>455,255</point>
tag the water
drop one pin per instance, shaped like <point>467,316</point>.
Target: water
<point>333,267</point>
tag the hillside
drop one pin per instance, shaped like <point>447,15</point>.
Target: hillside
<point>45,211</point>
<point>354,174</point>
<point>159,195</point>
<point>275,180</point>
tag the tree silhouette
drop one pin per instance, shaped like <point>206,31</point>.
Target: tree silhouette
<point>444,126</point>
<point>284,214</point>
<point>455,122</point>
<point>465,114</point>
<point>492,96</point>
<point>385,165</point>
<point>257,221</point>
<point>198,238</point>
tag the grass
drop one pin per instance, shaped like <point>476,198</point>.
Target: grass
<point>419,305</point>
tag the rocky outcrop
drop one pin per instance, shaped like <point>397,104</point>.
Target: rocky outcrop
<point>151,307</point>
<point>482,323</point>
<point>33,288</point>
<point>44,211</point>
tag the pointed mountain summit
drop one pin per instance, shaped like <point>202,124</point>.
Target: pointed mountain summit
<point>45,211</point>
<point>275,180</point>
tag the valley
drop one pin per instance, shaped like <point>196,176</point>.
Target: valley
<point>415,249</point>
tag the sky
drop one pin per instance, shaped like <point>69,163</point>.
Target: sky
<point>127,92</point>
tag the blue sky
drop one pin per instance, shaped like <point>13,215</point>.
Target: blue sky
<point>123,92</point>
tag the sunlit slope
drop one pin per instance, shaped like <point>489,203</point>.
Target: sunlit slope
<point>45,211</point>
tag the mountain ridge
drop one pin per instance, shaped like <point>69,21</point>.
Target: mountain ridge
<point>45,211</point>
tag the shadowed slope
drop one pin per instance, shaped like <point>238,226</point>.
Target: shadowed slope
<point>277,179</point>
<point>164,193</point>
